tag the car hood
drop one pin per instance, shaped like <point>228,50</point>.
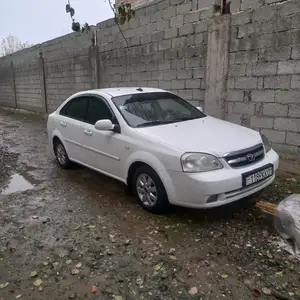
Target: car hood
<point>208,134</point>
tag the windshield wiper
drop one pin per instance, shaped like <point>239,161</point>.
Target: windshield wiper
<point>156,122</point>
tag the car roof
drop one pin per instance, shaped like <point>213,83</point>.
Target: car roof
<point>121,91</point>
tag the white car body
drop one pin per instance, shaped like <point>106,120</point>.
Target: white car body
<point>161,147</point>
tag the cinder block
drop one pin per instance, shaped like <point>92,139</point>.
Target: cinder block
<point>282,53</point>
<point>277,82</point>
<point>246,83</point>
<point>237,70</point>
<point>235,96</point>
<point>186,29</point>
<point>287,96</point>
<point>250,4</point>
<point>157,36</point>
<point>262,122</point>
<point>201,26</point>
<point>164,45</point>
<point>169,12</point>
<point>177,84</point>
<point>263,69</point>
<point>295,84</point>
<point>241,18</point>
<point>293,138</point>
<point>275,110</point>
<point>192,83</point>
<point>287,124</point>
<point>289,67</point>
<point>243,108</point>
<point>274,136</point>
<point>169,74</point>
<point>294,110</point>
<point>184,8</point>
<point>286,148</point>
<point>199,72</point>
<point>296,52</point>
<point>171,33</point>
<point>164,84</point>
<point>176,21</point>
<point>184,74</point>
<point>244,57</point>
<point>263,96</point>
<point>191,17</point>
<point>289,7</point>
<point>165,65</point>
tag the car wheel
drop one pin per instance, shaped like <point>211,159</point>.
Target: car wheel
<point>149,190</point>
<point>61,155</point>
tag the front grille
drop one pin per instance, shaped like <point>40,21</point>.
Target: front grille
<point>245,157</point>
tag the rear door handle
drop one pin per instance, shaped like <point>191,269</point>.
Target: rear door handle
<point>88,132</point>
<point>63,124</point>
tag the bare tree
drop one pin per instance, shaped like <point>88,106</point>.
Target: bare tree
<point>11,44</point>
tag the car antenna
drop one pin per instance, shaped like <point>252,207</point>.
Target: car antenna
<point>139,89</point>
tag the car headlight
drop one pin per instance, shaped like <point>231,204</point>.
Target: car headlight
<point>199,162</point>
<point>266,143</point>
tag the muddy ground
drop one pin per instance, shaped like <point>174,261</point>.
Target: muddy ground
<point>79,235</point>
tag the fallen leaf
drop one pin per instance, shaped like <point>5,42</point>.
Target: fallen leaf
<point>91,226</point>
<point>38,282</point>
<point>94,289</point>
<point>278,274</point>
<point>99,220</point>
<point>193,291</point>
<point>172,251</point>
<point>68,261</point>
<point>224,276</point>
<point>197,240</point>
<point>4,285</point>
<point>256,293</point>
<point>45,263</point>
<point>157,267</point>
<point>290,192</point>
<point>297,292</point>
<point>118,297</point>
<point>35,217</point>
<point>78,265</point>
<point>74,271</point>
<point>40,289</point>
<point>77,227</point>
<point>33,274</point>
<point>18,296</point>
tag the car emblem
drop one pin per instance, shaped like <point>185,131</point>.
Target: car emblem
<point>250,157</point>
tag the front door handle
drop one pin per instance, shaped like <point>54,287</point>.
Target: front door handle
<point>63,124</point>
<point>88,132</point>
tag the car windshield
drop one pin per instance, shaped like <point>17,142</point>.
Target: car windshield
<point>150,109</point>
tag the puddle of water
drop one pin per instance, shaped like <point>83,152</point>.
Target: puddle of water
<point>16,184</point>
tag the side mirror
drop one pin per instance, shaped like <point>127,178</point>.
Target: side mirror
<point>200,108</point>
<point>105,125</point>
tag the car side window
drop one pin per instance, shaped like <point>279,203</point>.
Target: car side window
<point>98,110</point>
<point>75,109</point>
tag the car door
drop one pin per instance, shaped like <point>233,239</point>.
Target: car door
<point>71,122</point>
<point>105,148</point>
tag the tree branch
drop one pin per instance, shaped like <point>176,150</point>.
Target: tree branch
<point>116,20</point>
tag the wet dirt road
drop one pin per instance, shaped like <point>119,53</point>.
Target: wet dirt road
<point>79,235</point>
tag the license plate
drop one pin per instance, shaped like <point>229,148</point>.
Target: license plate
<point>257,175</point>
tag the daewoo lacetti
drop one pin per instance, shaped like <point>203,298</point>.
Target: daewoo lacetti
<point>165,149</point>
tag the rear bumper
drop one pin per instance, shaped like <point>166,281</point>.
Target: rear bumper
<point>194,190</point>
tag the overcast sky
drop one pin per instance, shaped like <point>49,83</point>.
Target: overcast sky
<point>36,21</point>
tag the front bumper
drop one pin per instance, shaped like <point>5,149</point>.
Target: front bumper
<point>194,189</point>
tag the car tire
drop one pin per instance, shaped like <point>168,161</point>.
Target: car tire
<point>62,155</point>
<point>149,190</point>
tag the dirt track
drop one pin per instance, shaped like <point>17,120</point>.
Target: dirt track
<point>78,217</point>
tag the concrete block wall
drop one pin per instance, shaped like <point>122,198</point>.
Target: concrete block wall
<point>28,85</point>
<point>167,49</point>
<point>6,88</point>
<point>243,67</point>
<point>263,87</point>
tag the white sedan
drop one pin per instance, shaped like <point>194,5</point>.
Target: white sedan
<point>165,149</point>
